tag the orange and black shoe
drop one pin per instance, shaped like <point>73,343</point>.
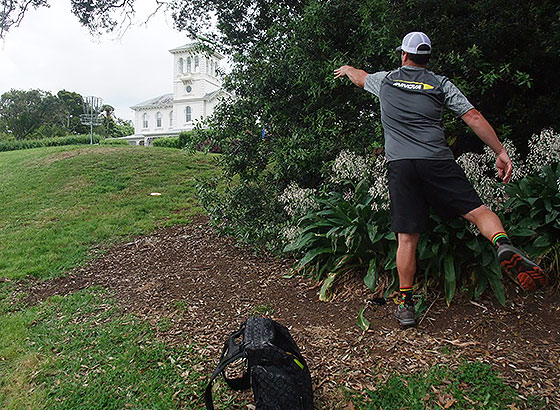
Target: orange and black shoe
<point>527,273</point>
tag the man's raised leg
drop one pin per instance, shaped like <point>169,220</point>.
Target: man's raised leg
<point>526,272</point>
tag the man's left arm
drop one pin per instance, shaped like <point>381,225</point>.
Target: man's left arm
<point>458,103</point>
<point>482,128</point>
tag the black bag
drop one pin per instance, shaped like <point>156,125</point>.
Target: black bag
<point>275,370</point>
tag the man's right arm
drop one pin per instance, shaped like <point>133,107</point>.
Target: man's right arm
<point>355,75</point>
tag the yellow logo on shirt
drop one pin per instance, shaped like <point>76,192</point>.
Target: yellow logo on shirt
<point>412,85</point>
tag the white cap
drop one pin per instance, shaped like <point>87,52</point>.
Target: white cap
<point>412,41</point>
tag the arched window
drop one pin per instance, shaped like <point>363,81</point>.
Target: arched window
<point>196,64</point>
<point>145,121</point>
<point>158,119</point>
<point>171,119</point>
<point>181,65</point>
<point>188,114</point>
<point>188,64</point>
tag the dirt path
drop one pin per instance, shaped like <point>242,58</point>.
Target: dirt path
<point>207,286</point>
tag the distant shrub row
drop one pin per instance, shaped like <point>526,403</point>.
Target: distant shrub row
<point>13,145</point>
<point>112,141</point>
<point>195,140</point>
<point>167,142</point>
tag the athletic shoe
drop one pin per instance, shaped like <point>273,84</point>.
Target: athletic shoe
<point>405,315</point>
<point>529,275</point>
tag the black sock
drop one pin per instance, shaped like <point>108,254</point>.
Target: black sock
<point>406,296</point>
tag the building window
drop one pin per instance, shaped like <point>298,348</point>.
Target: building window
<point>188,114</point>
<point>171,119</point>
<point>188,64</point>
<point>196,64</point>
<point>207,71</point>
<point>158,119</point>
<point>212,67</point>
<point>188,89</point>
<point>145,120</point>
<point>181,65</point>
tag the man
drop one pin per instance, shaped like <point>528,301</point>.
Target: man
<point>421,168</point>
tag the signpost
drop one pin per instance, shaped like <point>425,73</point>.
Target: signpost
<point>91,117</point>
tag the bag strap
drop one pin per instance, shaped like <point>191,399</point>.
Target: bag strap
<point>230,353</point>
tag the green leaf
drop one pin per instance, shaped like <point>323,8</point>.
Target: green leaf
<point>324,293</point>
<point>312,254</point>
<point>523,232</point>
<point>551,216</point>
<point>371,276</point>
<point>542,241</point>
<point>301,242</point>
<point>474,245</point>
<point>481,285</point>
<point>362,321</point>
<point>450,278</point>
<point>372,231</point>
<point>495,280</point>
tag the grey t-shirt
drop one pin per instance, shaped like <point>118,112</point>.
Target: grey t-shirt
<point>412,101</point>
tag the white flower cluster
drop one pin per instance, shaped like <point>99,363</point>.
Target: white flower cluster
<point>544,149</point>
<point>379,189</point>
<point>298,201</point>
<point>481,172</point>
<point>291,233</point>
<point>349,166</point>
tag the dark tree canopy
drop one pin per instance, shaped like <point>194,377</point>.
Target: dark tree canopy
<point>24,112</point>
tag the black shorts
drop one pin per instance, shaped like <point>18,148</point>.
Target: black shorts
<point>417,184</point>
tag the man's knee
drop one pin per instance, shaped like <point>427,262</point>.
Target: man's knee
<point>408,239</point>
<point>477,213</point>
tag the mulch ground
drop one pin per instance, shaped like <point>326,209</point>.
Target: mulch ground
<point>207,286</point>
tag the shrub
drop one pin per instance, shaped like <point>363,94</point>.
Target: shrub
<point>345,234</point>
<point>12,145</point>
<point>167,142</point>
<point>249,211</point>
<point>112,141</point>
<point>533,213</point>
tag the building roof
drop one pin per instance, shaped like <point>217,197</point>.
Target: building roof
<point>165,100</point>
<point>211,95</point>
<point>190,46</point>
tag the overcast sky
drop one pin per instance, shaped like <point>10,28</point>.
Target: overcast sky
<point>51,51</point>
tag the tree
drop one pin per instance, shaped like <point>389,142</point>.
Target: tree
<point>13,11</point>
<point>24,112</point>
<point>108,120</point>
<point>122,128</point>
<point>74,106</point>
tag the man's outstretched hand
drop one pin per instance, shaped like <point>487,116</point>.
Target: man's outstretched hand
<point>341,71</point>
<point>355,75</point>
<point>504,166</point>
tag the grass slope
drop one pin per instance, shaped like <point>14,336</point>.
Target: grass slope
<point>59,202</point>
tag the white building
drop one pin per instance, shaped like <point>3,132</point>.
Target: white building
<point>196,92</point>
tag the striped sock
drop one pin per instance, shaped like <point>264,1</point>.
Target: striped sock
<point>500,238</point>
<point>406,296</point>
